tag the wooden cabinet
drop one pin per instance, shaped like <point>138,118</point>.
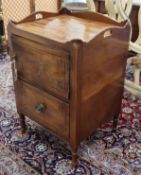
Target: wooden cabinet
<point>69,71</point>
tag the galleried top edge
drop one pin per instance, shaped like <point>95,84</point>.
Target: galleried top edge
<point>65,26</point>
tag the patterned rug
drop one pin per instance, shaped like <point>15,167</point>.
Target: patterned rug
<point>7,98</point>
<point>103,153</point>
<point>10,164</point>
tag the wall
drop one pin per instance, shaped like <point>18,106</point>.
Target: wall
<point>18,9</point>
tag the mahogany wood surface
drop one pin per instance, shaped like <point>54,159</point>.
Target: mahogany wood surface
<point>89,50</point>
<point>58,28</point>
<point>41,66</point>
<point>55,113</point>
<point>103,79</point>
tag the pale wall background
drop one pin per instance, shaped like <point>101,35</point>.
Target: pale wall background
<point>18,9</point>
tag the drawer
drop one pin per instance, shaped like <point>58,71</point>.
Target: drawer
<point>41,66</point>
<point>43,108</point>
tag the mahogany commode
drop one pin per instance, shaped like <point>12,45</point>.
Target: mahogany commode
<point>68,71</point>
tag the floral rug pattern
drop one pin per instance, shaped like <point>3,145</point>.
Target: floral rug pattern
<point>103,153</point>
<point>7,98</point>
<point>11,165</point>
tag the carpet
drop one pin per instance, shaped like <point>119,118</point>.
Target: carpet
<point>103,153</point>
<point>7,98</point>
<point>10,164</point>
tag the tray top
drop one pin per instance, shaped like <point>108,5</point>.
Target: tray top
<point>65,28</point>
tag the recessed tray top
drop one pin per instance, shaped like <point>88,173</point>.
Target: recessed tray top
<point>65,28</point>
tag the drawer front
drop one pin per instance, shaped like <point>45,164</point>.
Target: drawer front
<point>42,67</point>
<point>43,108</point>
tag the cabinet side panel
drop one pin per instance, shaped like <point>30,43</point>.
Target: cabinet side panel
<point>103,71</point>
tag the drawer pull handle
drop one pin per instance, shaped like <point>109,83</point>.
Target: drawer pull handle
<point>40,108</point>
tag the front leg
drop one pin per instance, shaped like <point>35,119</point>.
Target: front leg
<point>22,123</point>
<point>115,122</point>
<point>74,156</point>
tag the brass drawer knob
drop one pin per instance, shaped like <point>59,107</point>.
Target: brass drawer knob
<point>40,108</point>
